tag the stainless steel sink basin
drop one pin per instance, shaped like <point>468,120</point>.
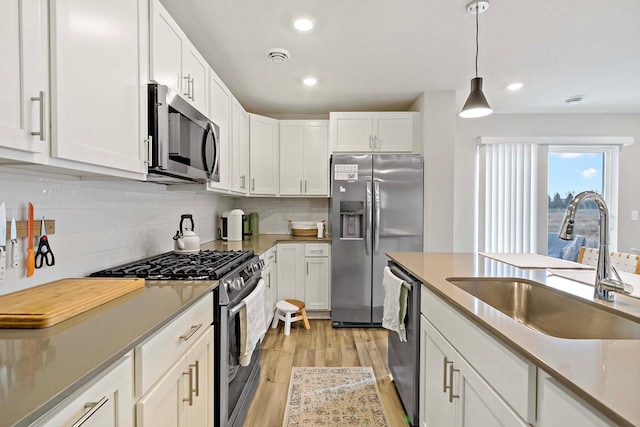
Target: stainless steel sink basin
<point>550,311</point>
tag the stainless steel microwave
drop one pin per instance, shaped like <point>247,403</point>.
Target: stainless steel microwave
<point>184,145</point>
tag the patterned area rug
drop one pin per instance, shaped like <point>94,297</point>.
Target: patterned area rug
<point>334,397</point>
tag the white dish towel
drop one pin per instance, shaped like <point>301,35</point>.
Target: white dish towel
<point>394,309</point>
<point>252,323</point>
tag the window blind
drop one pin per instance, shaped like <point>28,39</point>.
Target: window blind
<point>508,197</point>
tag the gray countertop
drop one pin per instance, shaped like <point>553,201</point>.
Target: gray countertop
<point>605,373</point>
<point>41,367</point>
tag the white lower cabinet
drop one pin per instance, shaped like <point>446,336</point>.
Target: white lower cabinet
<point>559,407</point>
<point>270,277</point>
<point>304,274</point>
<point>467,377</point>
<point>107,401</point>
<point>291,271</point>
<point>452,392</point>
<point>183,396</point>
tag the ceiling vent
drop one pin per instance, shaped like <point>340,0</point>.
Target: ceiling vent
<point>574,99</point>
<point>278,55</point>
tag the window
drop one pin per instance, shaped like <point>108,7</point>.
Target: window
<point>517,181</point>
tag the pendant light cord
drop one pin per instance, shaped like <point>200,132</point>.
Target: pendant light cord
<point>477,7</point>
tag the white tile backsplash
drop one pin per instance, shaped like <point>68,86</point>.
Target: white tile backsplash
<point>275,213</point>
<point>101,224</point>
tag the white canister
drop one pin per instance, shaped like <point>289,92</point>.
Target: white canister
<point>320,226</point>
<point>234,225</point>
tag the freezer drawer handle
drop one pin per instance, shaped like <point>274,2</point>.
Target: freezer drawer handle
<point>95,406</point>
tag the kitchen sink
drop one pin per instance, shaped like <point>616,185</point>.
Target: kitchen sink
<point>550,311</point>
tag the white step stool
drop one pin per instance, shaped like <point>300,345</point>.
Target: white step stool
<point>289,311</point>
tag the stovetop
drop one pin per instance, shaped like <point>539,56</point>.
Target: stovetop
<point>204,265</point>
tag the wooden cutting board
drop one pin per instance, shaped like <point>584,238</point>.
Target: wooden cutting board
<point>45,305</point>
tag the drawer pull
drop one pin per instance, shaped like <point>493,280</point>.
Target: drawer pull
<point>93,408</point>
<point>192,330</point>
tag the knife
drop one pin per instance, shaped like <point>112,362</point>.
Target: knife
<point>3,239</point>
<point>31,261</point>
<point>14,243</point>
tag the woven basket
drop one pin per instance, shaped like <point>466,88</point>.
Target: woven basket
<point>304,233</point>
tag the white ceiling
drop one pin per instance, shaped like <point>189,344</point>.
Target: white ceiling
<point>382,54</point>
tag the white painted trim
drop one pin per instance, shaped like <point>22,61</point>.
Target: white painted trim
<point>621,141</point>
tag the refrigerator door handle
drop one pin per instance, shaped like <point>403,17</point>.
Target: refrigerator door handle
<point>368,207</point>
<point>376,225</point>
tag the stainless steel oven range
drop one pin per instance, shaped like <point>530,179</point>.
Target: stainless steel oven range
<point>238,274</point>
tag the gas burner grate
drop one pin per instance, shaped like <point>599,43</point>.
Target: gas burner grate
<point>204,265</point>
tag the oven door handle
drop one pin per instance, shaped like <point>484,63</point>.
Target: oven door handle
<point>235,310</point>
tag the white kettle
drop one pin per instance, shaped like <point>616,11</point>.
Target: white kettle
<point>186,241</point>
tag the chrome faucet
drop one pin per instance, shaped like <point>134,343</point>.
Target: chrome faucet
<point>605,285</point>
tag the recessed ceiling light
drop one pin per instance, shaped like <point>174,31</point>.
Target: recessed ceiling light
<point>303,24</point>
<point>515,86</point>
<point>310,81</point>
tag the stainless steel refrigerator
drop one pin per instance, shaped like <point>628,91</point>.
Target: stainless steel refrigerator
<point>376,207</point>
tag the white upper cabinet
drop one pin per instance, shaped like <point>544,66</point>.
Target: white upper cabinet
<point>220,112</point>
<point>304,158</point>
<point>23,71</point>
<point>373,132</point>
<point>239,148</point>
<point>97,82</point>
<point>175,62</point>
<point>263,140</point>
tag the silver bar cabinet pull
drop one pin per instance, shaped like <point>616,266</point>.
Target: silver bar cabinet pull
<point>190,398</point>
<point>451,395</point>
<point>42,132</point>
<point>187,78</point>
<point>445,363</point>
<point>94,408</point>
<point>192,330</point>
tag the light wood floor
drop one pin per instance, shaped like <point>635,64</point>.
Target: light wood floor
<point>320,346</point>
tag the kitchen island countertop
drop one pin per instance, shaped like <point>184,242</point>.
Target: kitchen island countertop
<point>605,373</point>
<point>44,366</point>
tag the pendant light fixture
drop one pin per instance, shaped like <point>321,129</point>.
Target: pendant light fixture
<point>476,105</point>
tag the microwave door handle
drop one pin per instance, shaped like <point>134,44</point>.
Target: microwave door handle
<point>204,149</point>
<point>216,153</point>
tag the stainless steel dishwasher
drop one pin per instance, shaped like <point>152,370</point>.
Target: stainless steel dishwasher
<point>404,357</point>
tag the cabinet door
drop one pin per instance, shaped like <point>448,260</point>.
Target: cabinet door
<point>291,271</point>
<point>166,48</point>
<point>558,407</point>
<point>316,158</point>
<point>393,131</point>
<point>239,148</point>
<point>351,132</point>
<point>263,140</point>
<point>478,404</point>
<point>220,113</point>
<point>267,274</point>
<point>96,82</point>
<point>316,284</point>
<point>195,73</point>
<point>164,405</point>
<point>200,381</point>
<point>107,402</point>
<point>436,360</point>
<point>23,71</point>
<point>291,157</point>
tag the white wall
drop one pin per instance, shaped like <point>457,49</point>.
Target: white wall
<point>514,125</point>
<point>101,224</point>
<point>275,213</point>
<point>438,138</point>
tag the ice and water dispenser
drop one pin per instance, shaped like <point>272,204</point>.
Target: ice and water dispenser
<point>351,220</point>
